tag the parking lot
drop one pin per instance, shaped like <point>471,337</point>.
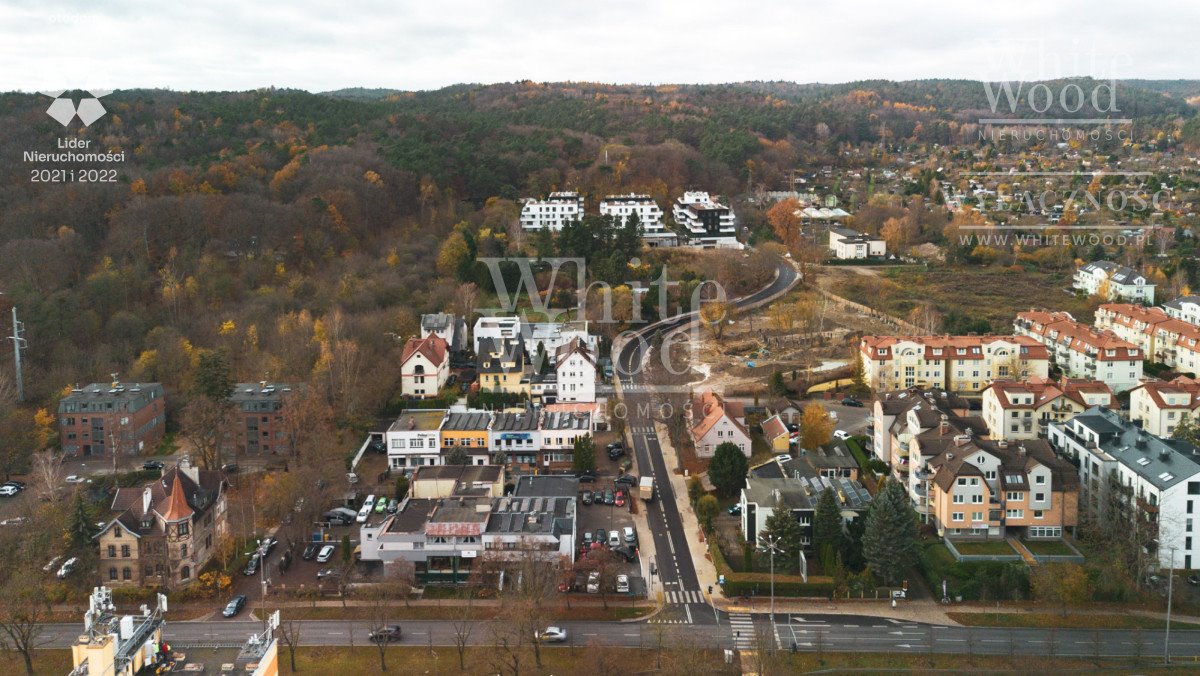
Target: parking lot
<point>597,516</point>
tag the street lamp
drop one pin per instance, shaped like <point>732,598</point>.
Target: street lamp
<point>262,571</point>
<point>1170,592</point>
<point>772,547</point>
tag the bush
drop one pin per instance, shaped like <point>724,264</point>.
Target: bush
<point>741,587</point>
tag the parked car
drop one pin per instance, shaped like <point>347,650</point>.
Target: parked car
<point>551,635</point>
<point>626,480</point>
<point>234,606</point>
<point>586,478</point>
<point>735,510</point>
<point>620,498</point>
<point>614,538</point>
<point>325,554</point>
<point>252,565</point>
<point>587,537</point>
<point>848,401</point>
<point>630,535</point>
<point>153,464</point>
<point>351,477</point>
<point>586,497</point>
<point>601,535</point>
<point>622,584</point>
<point>9,491</point>
<point>381,506</point>
<point>1194,579</point>
<point>53,564</point>
<point>267,545</point>
<point>593,583</point>
<point>364,514</point>
<point>77,479</point>
<point>626,552</point>
<point>310,551</point>
<point>388,634</point>
<point>230,468</point>
<point>393,506</point>
<point>615,451</point>
<point>14,482</point>
<point>325,573</point>
<point>68,567</point>
<point>841,434</point>
<point>610,498</point>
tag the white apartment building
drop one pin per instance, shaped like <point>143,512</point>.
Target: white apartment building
<point>553,335</point>
<point>1082,351</point>
<point>1116,281</point>
<point>497,329</point>
<point>575,366</point>
<point>1016,411</point>
<point>955,363</point>
<point>424,366</point>
<point>1128,474</point>
<point>709,224</point>
<point>1161,405</point>
<point>1162,337</point>
<point>552,213</point>
<point>1186,308</point>
<point>649,214</point>
<point>847,244</point>
<point>414,439</point>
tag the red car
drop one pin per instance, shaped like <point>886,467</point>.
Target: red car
<point>620,499</point>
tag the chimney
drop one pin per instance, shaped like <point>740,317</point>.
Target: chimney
<point>146,499</point>
<point>191,471</point>
<point>943,428</point>
<point>1021,450</point>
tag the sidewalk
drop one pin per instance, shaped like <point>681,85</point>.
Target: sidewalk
<point>706,572</point>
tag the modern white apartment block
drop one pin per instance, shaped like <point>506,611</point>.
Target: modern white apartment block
<point>1128,475</point>
<point>1082,351</point>
<point>1114,282</point>
<point>552,213</point>
<point>1161,405</point>
<point>847,244</point>
<point>649,214</point>
<point>954,363</point>
<point>496,329</point>
<point>709,224</point>
<point>1186,308</point>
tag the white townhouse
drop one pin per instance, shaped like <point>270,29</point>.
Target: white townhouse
<point>1161,405</point>
<point>1015,410</point>
<point>715,421</point>
<point>414,439</point>
<point>1186,308</point>
<point>424,366</point>
<point>552,213</point>
<point>649,214</point>
<point>1128,474</point>
<point>575,366</point>
<point>497,329</point>
<point>954,363</point>
<point>1116,281</point>
<point>847,244</point>
<point>1082,351</point>
<point>709,224</point>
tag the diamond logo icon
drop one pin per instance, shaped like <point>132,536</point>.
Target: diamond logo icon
<point>64,110</point>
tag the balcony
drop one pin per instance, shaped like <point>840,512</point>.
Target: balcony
<point>1145,506</point>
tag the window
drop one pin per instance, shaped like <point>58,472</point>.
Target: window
<point>962,481</point>
<point>977,516</point>
<point>125,551</point>
<point>185,573</point>
<point>112,551</point>
<point>956,516</point>
<point>183,528</point>
<point>1040,479</point>
<point>126,573</point>
<point>1014,513</point>
<point>112,573</point>
<point>1014,496</point>
<point>976,499</point>
<point>958,499</point>
<point>1039,497</point>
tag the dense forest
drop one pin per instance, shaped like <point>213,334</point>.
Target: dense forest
<point>299,233</point>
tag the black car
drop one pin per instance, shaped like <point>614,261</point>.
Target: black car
<point>610,498</point>
<point>587,497</point>
<point>626,552</point>
<point>1193,579</point>
<point>386,634</point>
<point>627,480</point>
<point>586,478</point>
<point>153,464</point>
<point>310,552</point>
<point>230,468</point>
<point>854,403</point>
<point>615,451</point>
<point>735,510</point>
<point>234,606</point>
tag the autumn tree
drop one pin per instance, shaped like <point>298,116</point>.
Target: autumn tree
<point>715,314</point>
<point>707,509</point>
<point>1066,584</point>
<point>785,220</point>
<point>816,427</point>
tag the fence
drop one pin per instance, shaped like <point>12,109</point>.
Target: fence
<point>980,558</point>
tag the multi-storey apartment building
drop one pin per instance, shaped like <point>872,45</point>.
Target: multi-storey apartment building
<point>1082,351</point>
<point>259,413</point>
<point>1163,338</point>
<point>164,532</point>
<point>575,366</point>
<point>496,329</point>
<point>708,223</point>
<point>128,418</point>
<point>552,213</point>
<point>1128,475</point>
<point>1161,405</point>
<point>955,363</point>
<point>1113,282</point>
<point>1016,410</point>
<point>414,439</point>
<point>649,214</point>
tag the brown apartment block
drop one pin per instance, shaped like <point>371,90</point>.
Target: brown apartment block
<point>259,428</point>
<point>127,417</point>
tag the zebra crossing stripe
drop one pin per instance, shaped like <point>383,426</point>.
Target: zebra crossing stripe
<point>742,628</point>
<point>684,597</point>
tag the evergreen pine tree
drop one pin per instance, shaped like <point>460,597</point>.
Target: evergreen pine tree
<point>890,538</point>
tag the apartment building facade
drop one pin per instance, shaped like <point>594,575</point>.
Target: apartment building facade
<point>1160,405</point>
<point>1018,410</point>
<point>1082,351</point>
<point>649,215</point>
<point>1114,282</point>
<point>708,223</point>
<point>954,363</point>
<point>102,418</point>
<point>847,244</point>
<point>1163,338</point>
<point>260,427</point>
<point>552,213</point>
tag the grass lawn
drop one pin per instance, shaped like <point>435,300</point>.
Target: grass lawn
<point>1074,620</point>
<point>989,548</point>
<point>1048,547</point>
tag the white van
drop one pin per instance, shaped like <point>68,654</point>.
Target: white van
<point>365,512</point>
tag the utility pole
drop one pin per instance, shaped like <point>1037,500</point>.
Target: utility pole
<point>1170,591</point>
<point>18,343</point>
<point>772,546</point>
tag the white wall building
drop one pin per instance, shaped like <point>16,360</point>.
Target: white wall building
<point>553,212</point>
<point>424,366</point>
<point>1082,351</point>
<point>448,327</point>
<point>709,224</point>
<point>1122,282</point>
<point>575,365</point>
<point>621,207</point>
<point>414,438</point>
<point>1186,308</point>
<point>498,329</point>
<point>847,244</point>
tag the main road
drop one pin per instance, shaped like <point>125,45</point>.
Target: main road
<point>674,569</point>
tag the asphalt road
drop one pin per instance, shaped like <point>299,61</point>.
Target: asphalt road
<point>675,570</point>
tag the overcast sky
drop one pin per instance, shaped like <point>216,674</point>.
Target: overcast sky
<point>426,44</point>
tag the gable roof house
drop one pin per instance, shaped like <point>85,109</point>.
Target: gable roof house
<point>165,531</point>
<point>715,421</point>
<point>424,366</point>
<point>1113,281</point>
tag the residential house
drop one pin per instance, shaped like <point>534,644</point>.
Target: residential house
<point>1113,282</point>
<point>467,429</point>
<point>621,207</point>
<point>575,371</point>
<point>424,366</point>
<point>776,434</point>
<point>502,368</point>
<point>847,244</point>
<point>715,421</point>
<point>102,418</point>
<point>708,223</point>
<point>995,489</point>
<point>499,330</point>
<point>518,437</point>
<point>414,439</point>
<point>954,363</point>
<point>794,485</point>
<point>1160,406</point>
<point>1081,351</point>
<point>560,431</point>
<point>449,327</point>
<point>1024,410</point>
<point>1128,475</point>
<point>1186,308</point>
<point>164,532</point>
<point>260,427</point>
<point>552,213</point>
<point>457,481</point>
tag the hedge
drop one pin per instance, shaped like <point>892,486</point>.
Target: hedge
<point>738,587</point>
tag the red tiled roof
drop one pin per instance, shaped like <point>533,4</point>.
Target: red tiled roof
<point>433,347</point>
<point>873,346</point>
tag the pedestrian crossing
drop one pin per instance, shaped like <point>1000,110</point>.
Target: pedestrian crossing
<point>681,597</point>
<point>741,626</point>
<point>642,429</point>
